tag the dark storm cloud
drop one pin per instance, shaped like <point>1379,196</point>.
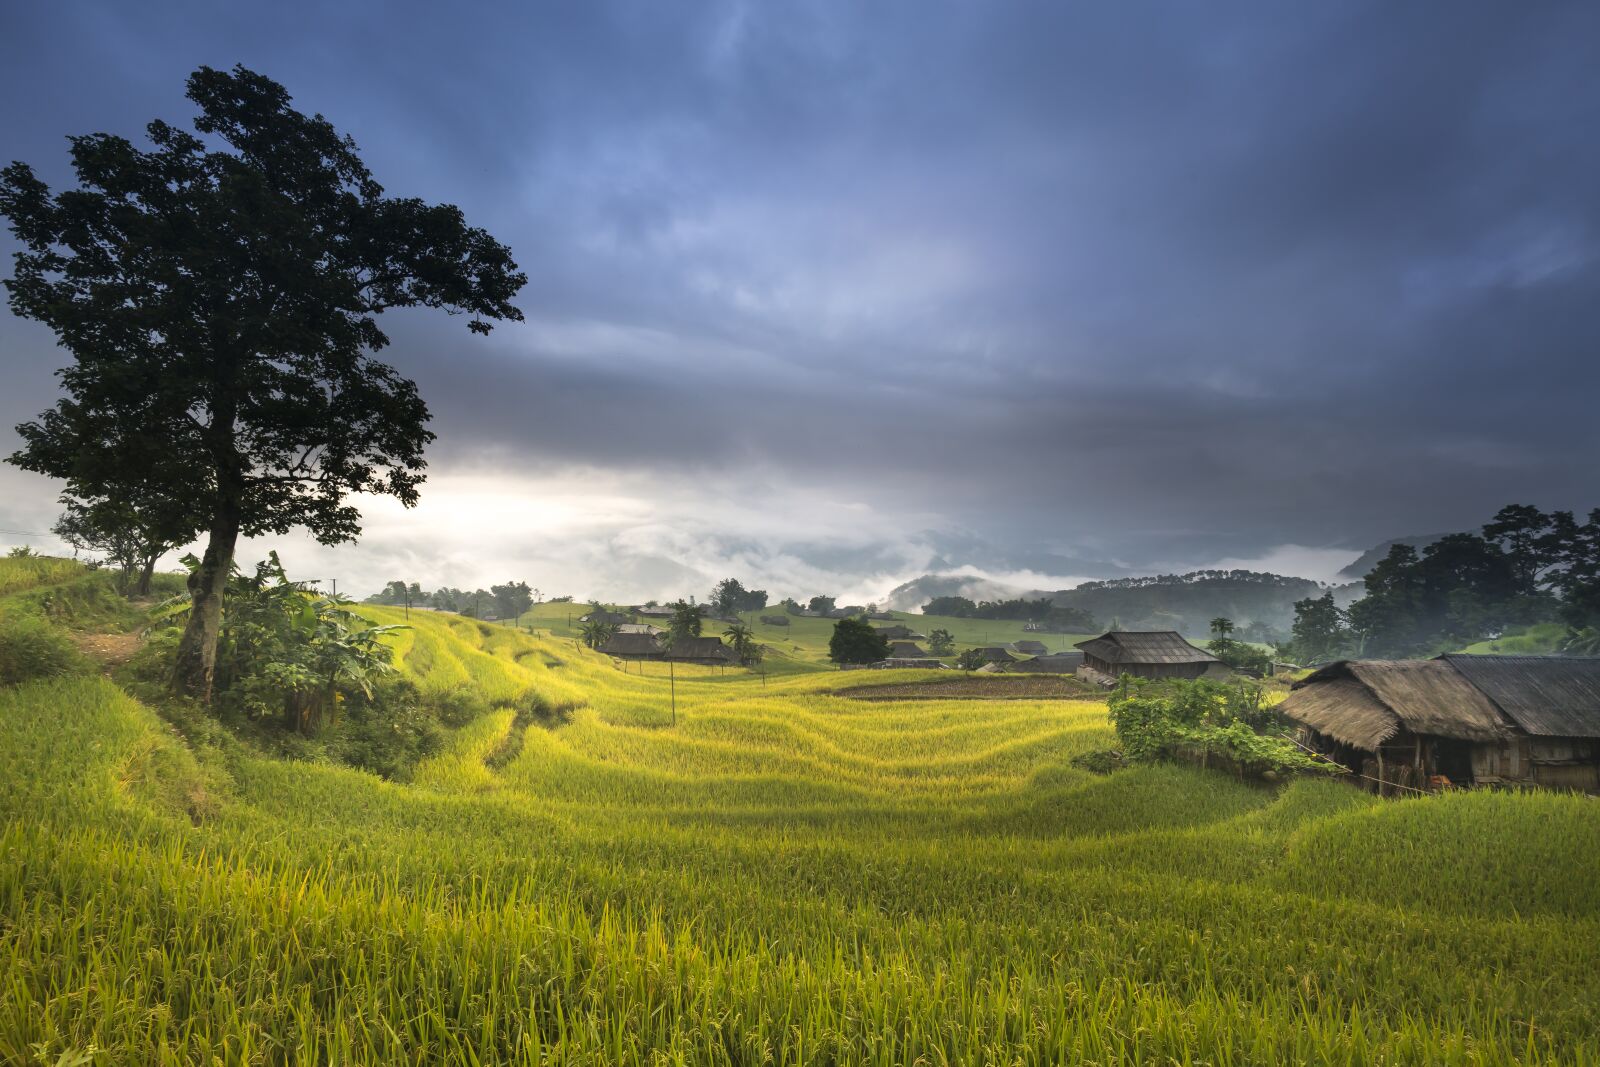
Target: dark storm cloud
<point>1154,282</point>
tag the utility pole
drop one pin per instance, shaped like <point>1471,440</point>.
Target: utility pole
<point>335,587</point>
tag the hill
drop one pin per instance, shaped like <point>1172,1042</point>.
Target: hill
<point>1363,564</point>
<point>773,872</point>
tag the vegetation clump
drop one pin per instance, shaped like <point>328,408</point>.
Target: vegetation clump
<point>1206,722</point>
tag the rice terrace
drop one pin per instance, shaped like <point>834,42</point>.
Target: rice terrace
<point>972,458</point>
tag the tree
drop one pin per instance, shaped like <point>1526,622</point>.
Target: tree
<point>1321,630</point>
<point>219,296</point>
<point>132,531</point>
<point>955,607</point>
<point>512,599</point>
<point>731,597</point>
<point>941,642</point>
<point>1221,628</point>
<point>855,641</point>
<point>821,604</point>
<point>597,633</point>
<point>971,659</point>
<point>743,641</point>
<point>685,622</point>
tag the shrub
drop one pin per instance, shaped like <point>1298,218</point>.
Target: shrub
<point>32,648</point>
<point>386,734</point>
<point>459,706</point>
<point>1184,720</point>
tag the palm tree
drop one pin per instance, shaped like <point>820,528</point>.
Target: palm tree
<point>597,633</point>
<point>743,640</point>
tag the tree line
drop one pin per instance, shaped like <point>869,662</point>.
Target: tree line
<point>1524,566</point>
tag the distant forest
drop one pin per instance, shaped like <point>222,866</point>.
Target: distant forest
<point>1261,605</point>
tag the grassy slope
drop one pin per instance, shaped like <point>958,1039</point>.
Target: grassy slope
<point>784,875</point>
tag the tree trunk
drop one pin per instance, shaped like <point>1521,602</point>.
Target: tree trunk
<point>196,667</point>
<point>143,588</point>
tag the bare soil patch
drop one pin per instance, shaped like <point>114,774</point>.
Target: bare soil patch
<point>108,650</point>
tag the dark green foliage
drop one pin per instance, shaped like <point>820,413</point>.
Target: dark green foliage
<point>821,604</point>
<point>744,644</point>
<point>597,633</point>
<point>731,597</point>
<point>293,656</point>
<point>1043,610</point>
<point>1321,631</point>
<point>511,599</point>
<point>219,297</point>
<point>1099,760</point>
<point>32,648</point>
<point>459,706</point>
<point>855,641</point>
<point>1237,654</point>
<point>686,621</point>
<point>971,660</point>
<point>1526,567</point>
<point>1158,721</point>
<point>386,732</point>
<point>941,642</point>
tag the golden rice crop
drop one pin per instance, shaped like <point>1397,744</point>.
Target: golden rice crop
<point>785,876</point>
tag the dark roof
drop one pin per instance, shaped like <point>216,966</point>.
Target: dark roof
<point>701,650</point>
<point>612,617</point>
<point>907,650</point>
<point>1366,702</point>
<point>1058,663</point>
<point>637,628</point>
<point>900,631</point>
<point>908,663</point>
<point>632,646</point>
<point>1030,648</point>
<point>1144,646</point>
<point>1548,696</point>
<point>996,654</point>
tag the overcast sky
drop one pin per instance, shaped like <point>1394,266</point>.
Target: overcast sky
<point>828,295</point>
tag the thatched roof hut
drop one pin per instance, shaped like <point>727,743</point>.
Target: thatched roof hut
<point>1148,654</point>
<point>1545,696</point>
<point>1055,663</point>
<point>1528,720</point>
<point>1365,703</point>
<point>899,632</point>
<point>995,654</point>
<point>908,650</point>
<point>1029,647</point>
<point>632,646</point>
<point>610,618</point>
<point>707,650</point>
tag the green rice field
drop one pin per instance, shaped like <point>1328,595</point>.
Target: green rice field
<point>775,873</point>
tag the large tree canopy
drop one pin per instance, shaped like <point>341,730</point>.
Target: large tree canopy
<point>219,295</point>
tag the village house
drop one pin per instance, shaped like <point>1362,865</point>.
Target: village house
<point>1146,654</point>
<point>632,646</point>
<point>908,663</point>
<point>908,650</point>
<point>899,633</point>
<point>1457,719</point>
<point>610,618</point>
<point>1054,663</point>
<point>705,650</point>
<point>1029,647</point>
<point>995,654</point>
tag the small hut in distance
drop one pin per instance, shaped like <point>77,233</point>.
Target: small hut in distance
<point>1147,654</point>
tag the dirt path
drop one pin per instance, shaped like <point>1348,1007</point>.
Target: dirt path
<point>108,650</point>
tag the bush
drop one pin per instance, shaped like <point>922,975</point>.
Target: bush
<point>387,734</point>
<point>1189,720</point>
<point>459,706</point>
<point>32,648</point>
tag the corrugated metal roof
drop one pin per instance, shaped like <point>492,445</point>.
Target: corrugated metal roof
<point>1548,696</point>
<point>1145,646</point>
